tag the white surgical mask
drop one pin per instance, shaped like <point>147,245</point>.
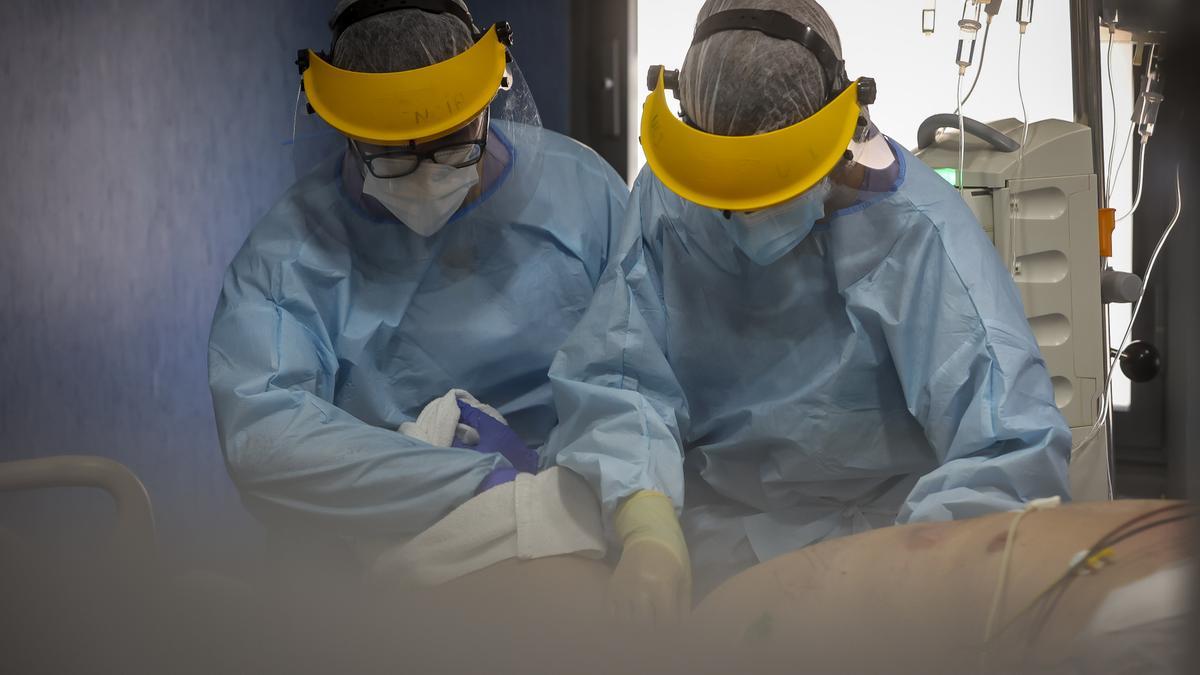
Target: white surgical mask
<point>768,235</point>
<point>426,199</point>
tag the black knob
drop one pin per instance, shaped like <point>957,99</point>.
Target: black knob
<point>868,91</point>
<point>652,77</point>
<point>504,31</point>
<point>670,78</point>
<point>1141,362</point>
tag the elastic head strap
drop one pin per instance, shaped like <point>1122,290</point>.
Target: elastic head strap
<point>781,27</point>
<point>365,9</point>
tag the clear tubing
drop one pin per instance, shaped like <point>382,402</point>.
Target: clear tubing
<point>962,139</point>
<point>1107,393</point>
<point>1021,96</point>
<point>982,59</point>
<point>1112,91</point>
<point>296,111</point>
<point>1113,179</point>
<point>1014,203</point>
<point>1137,200</point>
<point>1142,116</point>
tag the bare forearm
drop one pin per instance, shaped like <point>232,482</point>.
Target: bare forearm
<point>930,586</point>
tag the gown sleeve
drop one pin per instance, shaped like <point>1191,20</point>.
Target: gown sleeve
<point>622,412</point>
<point>971,373</point>
<point>295,455</point>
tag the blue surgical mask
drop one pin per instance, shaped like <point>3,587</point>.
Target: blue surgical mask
<point>768,235</point>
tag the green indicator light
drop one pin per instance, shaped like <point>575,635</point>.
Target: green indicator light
<point>951,175</point>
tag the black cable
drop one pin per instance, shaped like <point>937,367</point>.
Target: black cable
<point>1114,537</point>
<point>1115,532</point>
<point>1151,526</point>
<point>1040,623</point>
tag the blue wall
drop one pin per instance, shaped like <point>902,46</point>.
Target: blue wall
<point>143,140</point>
<point>542,48</point>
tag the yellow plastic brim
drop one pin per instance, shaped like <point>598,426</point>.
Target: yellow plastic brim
<point>412,106</point>
<point>746,173</point>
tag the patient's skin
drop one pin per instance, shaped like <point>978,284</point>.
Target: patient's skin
<point>558,586</point>
<point>874,602</point>
<point>539,616</point>
<point>906,593</point>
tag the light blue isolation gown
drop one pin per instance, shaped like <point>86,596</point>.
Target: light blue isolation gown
<point>881,372</point>
<point>336,326</point>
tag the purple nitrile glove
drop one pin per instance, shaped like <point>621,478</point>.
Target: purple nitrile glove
<point>498,438</point>
<point>496,478</point>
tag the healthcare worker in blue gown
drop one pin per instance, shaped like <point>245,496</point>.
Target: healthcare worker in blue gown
<point>805,333</point>
<point>452,244</point>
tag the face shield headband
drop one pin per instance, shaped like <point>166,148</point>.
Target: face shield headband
<point>751,173</point>
<point>413,106</point>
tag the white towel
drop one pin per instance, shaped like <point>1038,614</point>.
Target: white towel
<point>554,513</point>
<point>551,514</point>
<point>438,422</point>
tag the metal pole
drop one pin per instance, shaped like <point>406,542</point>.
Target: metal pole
<point>1085,65</point>
<point>1089,111</point>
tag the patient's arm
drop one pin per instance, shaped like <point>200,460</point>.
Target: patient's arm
<point>556,586</point>
<point>927,589</point>
<point>858,604</point>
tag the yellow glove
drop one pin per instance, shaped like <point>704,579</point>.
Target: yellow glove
<point>652,584</point>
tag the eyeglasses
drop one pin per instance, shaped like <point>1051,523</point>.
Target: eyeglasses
<point>459,150</point>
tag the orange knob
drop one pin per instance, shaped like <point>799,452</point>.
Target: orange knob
<point>1108,225</point>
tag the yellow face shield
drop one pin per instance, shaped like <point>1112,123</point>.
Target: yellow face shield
<point>414,106</point>
<point>746,173</point>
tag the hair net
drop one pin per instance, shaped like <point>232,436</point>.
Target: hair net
<point>743,83</point>
<point>402,40</point>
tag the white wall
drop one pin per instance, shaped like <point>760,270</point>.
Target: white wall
<point>917,75</point>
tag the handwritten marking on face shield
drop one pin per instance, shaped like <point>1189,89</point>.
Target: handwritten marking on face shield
<point>455,103</point>
<point>656,133</point>
<point>412,103</point>
<point>420,116</point>
<point>785,170</point>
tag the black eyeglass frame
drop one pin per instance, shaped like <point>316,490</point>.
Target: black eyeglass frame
<point>428,152</point>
